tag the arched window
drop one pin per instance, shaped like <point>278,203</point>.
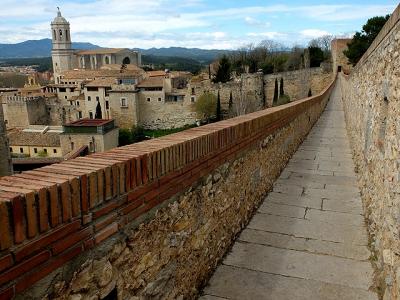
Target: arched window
<point>66,35</point>
<point>106,60</point>
<point>60,31</point>
<point>126,61</point>
<point>54,34</point>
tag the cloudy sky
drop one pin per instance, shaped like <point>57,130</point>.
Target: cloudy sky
<point>222,24</point>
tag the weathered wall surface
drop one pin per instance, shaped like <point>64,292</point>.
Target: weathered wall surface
<point>371,96</point>
<point>125,117</point>
<point>161,114</point>
<point>296,84</point>
<point>5,161</point>
<point>151,219</point>
<point>250,93</point>
<point>338,46</point>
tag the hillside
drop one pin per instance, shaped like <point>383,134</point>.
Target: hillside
<point>201,55</point>
<point>42,48</point>
<point>35,48</point>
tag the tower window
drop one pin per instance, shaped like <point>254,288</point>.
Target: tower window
<point>54,34</point>
<point>60,31</point>
<point>66,35</point>
<point>123,102</point>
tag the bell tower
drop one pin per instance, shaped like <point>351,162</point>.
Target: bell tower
<point>61,52</point>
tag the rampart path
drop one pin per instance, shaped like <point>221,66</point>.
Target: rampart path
<point>308,239</point>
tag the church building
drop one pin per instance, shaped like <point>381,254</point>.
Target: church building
<point>65,58</point>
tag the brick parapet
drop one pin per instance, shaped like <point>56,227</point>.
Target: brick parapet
<point>52,214</point>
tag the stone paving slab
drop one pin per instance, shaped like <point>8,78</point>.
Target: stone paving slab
<point>247,284</point>
<point>280,240</point>
<point>293,200</point>
<point>308,239</point>
<point>339,233</point>
<point>300,264</point>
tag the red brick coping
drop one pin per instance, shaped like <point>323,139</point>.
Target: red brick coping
<point>52,214</point>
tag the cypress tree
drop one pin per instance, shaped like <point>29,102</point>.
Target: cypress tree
<point>281,91</point>
<point>309,93</point>
<point>219,115</point>
<point>230,101</point>
<point>275,101</point>
<point>264,100</point>
<point>99,114</point>
<point>224,70</point>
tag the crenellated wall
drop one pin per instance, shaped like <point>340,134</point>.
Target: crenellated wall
<point>371,97</point>
<point>151,219</point>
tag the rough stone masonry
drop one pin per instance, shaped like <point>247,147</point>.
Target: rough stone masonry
<point>371,96</point>
<point>148,220</point>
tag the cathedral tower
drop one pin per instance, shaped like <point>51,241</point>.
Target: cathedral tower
<point>62,52</point>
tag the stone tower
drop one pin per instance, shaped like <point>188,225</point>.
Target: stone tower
<point>5,160</point>
<point>62,52</point>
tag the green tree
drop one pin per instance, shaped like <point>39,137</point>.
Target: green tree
<point>276,96</point>
<point>362,40</point>
<point>264,94</point>
<point>281,91</point>
<point>206,106</point>
<point>316,56</point>
<point>218,112</point>
<point>137,134</point>
<point>125,137</point>
<point>99,114</point>
<point>224,70</point>
<point>230,101</point>
<point>267,67</point>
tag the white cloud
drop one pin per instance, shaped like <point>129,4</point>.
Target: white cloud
<point>163,23</point>
<point>313,33</point>
<point>271,35</point>
<point>254,22</point>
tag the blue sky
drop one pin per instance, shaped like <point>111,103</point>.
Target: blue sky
<point>223,24</point>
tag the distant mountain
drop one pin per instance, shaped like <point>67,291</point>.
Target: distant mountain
<point>35,48</point>
<point>201,55</point>
<point>42,48</point>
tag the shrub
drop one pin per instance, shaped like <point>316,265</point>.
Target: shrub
<point>206,106</point>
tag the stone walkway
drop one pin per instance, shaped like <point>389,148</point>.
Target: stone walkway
<point>308,239</point>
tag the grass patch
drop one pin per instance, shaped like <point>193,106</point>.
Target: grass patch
<point>162,132</point>
<point>284,99</point>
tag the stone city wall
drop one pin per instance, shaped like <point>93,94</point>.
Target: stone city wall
<point>296,84</point>
<point>371,96</point>
<point>254,92</point>
<point>158,113</point>
<point>5,159</point>
<point>144,221</point>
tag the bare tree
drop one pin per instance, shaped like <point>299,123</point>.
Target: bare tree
<point>323,42</point>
